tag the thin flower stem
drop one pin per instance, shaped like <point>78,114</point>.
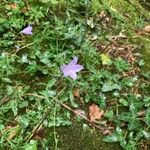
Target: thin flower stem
<point>86,15</point>
<point>55,137</point>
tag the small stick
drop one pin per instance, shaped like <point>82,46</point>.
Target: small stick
<point>16,51</point>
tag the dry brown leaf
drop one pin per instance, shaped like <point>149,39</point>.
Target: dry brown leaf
<point>39,134</point>
<point>95,112</point>
<point>147,28</point>
<point>24,10</point>
<point>76,92</point>
<point>13,6</point>
<point>13,132</point>
<point>107,132</point>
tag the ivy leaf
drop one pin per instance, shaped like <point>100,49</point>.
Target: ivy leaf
<point>24,121</point>
<point>109,86</point>
<point>121,64</point>
<point>117,136</point>
<point>131,119</point>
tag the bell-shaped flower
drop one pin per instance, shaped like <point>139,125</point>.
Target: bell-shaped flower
<point>27,30</point>
<point>71,69</point>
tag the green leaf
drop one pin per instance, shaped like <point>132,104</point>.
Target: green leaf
<point>71,98</point>
<point>24,121</point>
<point>14,107</point>
<point>112,138</point>
<point>23,104</point>
<point>31,146</point>
<point>109,86</point>
<point>146,134</point>
<point>7,80</point>
<point>9,89</point>
<point>147,117</point>
<point>117,136</point>
<point>123,101</point>
<point>51,83</point>
<point>109,114</point>
<point>102,101</point>
<point>121,64</point>
<point>131,119</point>
<point>141,62</point>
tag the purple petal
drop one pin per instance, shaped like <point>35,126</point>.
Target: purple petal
<point>73,75</point>
<point>74,61</point>
<point>27,30</point>
<point>64,69</point>
<point>77,68</point>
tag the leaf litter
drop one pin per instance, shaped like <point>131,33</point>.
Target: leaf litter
<point>95,113</point>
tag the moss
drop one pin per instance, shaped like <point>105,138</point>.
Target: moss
<point>130,11</point>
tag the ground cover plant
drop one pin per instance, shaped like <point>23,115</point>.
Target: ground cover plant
<point>64,59</point>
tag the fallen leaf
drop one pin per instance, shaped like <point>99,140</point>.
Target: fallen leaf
<point>39,134</point>
<point>105,59</point>
<point>13,6</point>
<point>90,23</point>
<point>107,132</point>
<point>24,10</point>
<point>102,14</point>
<point>13,132</point>
<point>76,92</point>
<point>141,113</point>
<point>147,28</point>
<point>95,112</point>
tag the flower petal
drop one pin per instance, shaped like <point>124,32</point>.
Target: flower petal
<point>74,61</point>
<point>27,30</point>
<point>77,68</point>
<point>64,69</point>
<point>73,75</point>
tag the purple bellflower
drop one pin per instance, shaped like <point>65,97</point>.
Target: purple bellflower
<point>27,30</point>
<point>71,69</point>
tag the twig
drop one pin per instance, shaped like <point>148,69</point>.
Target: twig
<point>4,100</point>
<point>16,51</point>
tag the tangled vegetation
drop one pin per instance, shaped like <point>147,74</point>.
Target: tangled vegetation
<point>110,92</point>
